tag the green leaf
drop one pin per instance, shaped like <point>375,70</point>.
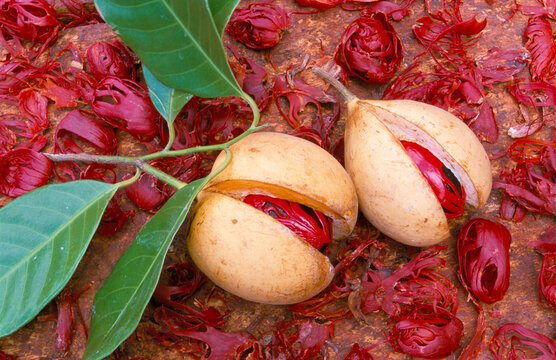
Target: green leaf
<point>166,100</point>
<point>221,12</point>
<point>121,300</point>
<point>43,236</point>
<point>177,40</point>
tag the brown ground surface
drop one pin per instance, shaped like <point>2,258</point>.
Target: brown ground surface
<point>317,34</point>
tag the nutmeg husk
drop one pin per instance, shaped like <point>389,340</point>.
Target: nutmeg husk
<point>393,193</point>
<point>246,251</point>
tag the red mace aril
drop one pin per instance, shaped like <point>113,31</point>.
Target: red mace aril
<point>79,124</point>
<point>4,356</point>
<point>427,332</point>
<point>358,353</point>
<point>258,26</point>
<point>33,105</point>
<point>392,10</point>
<point>13,76</point>
<point>442,180</point>
<point>110,59</point>
<point>252,78</point>
<point>415,283</point>
<point>33,20</point>
<point>225,345</point>
<point>23,170</point>
<point>65,326</point>
<point>300,339</point>
<point>370,49</point>
<point>113,218</point>
<point>540,43</point>
<point>547,279</point>
<point>484,263</point>
<point>124,104</point>
<point>311,225</point>
<point>547,274</point>
<point>320,4</point>
<point>513,341</point>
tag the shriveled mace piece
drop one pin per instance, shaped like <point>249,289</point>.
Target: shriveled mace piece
<point>394,194</point>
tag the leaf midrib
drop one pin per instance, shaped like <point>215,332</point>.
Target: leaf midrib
<point>45,242</point>
<point>142,280</point>
<point>199,47</point>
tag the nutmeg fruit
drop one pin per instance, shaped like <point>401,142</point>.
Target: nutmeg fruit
<point>249,252</point>
<point>394,193</point>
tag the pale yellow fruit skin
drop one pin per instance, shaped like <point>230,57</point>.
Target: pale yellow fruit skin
<point>393,194</point>
<point>247,252</point>
<point>292,169</point>
<point>251,255</point>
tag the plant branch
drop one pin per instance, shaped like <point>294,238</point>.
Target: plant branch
<point>119,160</point>
<point>141,162</point>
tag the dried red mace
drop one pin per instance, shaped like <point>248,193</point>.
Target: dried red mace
<point>484,261</point>
<point>299,339</point>
<point>77,130</point>
<point>300,96</point>
<point>530,184</point>
<point>547,279</point>
<point>392,10</point>
<point>320,4</point>
<point>23,170</point>
<point>113,218</point>
<point>547,274</point>
<point>251,77</point>
<point>370,49</point>
<point>358,353</point>
<point>33,20</point>
<point>226,345</point>
<point>65,317</point>
<point>311,225</point>
<point>258,26</point>
<point>126,105</point>
<point>442,180</point>
<point>513,341</point>
<point>110,59</point>
<point>542,47</point>
<point>417,282</point>
<point>426,331</point>
<point>4,356</point>
<point>179,281</point>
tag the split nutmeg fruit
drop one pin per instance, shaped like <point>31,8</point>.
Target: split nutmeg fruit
<point>414,166</point>
<point>250,226</point>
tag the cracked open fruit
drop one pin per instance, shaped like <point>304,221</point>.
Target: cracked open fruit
<point>259,225</point>
<point>414,166</point>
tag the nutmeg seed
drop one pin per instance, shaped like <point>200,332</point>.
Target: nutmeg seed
<point>246,251</point>
<point>393,194</point>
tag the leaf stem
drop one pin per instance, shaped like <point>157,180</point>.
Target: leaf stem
<point>162,176</point>
<point>171,137</point>
<point>346,94</point>
<point>129,181</point>
<point>252,128</point>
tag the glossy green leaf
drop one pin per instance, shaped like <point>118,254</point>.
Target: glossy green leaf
<point>168,101</point>
<point>121,300</point>
<point>177,40</point>
<point>221,12</point>
<point>43,236</point>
